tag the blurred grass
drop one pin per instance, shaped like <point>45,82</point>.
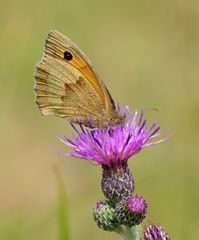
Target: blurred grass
<point>62,207</point>
<point>147,52</point>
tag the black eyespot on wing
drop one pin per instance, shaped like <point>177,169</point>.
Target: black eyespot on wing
<point>68,56</point>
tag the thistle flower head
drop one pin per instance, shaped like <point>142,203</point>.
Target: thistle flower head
<point>131,211</point>
<point>113,146</point>
<point>136,204</point>
<point>154,232</point>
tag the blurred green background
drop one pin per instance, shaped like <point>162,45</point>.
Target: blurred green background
<point>147,52</point>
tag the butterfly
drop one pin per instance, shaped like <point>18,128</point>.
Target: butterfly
<point>67,86</point>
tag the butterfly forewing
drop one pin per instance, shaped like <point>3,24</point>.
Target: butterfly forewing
<point>67,86</point>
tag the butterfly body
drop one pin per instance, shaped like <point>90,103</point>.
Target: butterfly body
<point>67,85</point>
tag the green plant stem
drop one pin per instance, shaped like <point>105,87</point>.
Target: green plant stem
<point>128,233</point>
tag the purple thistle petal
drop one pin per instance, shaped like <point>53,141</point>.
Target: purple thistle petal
<point>161,133</point>
<point>162,140</point>
<point>118,108</point>
<point>69,141</point>
<point>80,124</point>
<point>153,125</point>
<point>154,132</point>
<point>143,124</point>
<point>73,126</point>
<point>141,116</point>
<point>90,123</point>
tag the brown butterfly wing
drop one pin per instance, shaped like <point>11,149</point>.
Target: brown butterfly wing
<point>68,87</point>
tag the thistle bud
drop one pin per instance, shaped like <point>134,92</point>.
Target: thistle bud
<point>131,211</point>
<point>104,215</point>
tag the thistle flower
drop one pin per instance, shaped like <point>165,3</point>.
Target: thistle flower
<point>131,211</point>
<point>113,147</point>
<point>154,232</point>
<point>104,215</point>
